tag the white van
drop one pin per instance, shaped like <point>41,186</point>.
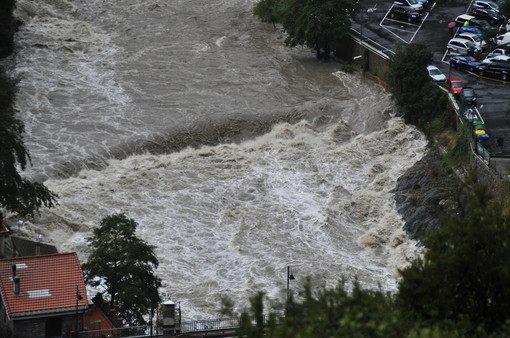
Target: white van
<point>461,19</point>
<point>503,39</point>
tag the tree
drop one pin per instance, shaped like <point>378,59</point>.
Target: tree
<point>124,265</point>
<point>415,94</point>
<point>7,27</point>
<point>504,9</point>
<point>317,23</point>
<point>464,276</point>
<point>17,194</point>
<point>269,11</point>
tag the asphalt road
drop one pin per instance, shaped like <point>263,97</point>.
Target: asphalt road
<point>493,95</point>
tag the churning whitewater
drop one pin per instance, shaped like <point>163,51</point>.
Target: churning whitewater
<point>236,155</point>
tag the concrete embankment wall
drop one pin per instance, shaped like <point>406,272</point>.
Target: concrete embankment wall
<point>370,57</point>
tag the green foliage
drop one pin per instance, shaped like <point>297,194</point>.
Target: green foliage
<point>489,36</point>
<point>124,265</point>
<point>463,279</point>
<point>415,94</point>
<point>17,194</point>
<point>226,307</point>
<point>7,27</point>
<point>460,153</point>
<point>504,8</point>
<point>331,313</point>
<point>313,23</point>
<point>269,11</point>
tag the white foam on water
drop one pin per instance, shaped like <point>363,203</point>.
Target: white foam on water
<point>228,220</point>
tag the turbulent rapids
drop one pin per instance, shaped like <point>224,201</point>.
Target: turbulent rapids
<point>237,156</point>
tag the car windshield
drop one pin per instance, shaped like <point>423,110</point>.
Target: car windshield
<point>412,2</point>
<point>470,44</point>
<point>434,71</point>
<point>456,85</point>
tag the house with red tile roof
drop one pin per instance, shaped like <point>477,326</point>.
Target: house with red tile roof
<point>41,296</point>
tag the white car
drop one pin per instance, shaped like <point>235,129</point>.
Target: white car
<point>435,74</point>
<point>477,40</point>
<point>498,52</point>
<point>503,39</point>
<point>457,46</point>
<point>409,3</point>
<point>490,59</point>
<point>485,4</point>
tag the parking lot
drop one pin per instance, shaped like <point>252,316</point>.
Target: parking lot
<point>433,31</point>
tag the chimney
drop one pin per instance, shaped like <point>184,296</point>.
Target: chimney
<point>38,249</point>
<point>17,281</point>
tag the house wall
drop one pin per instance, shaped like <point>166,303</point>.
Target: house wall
<point>36,327</point>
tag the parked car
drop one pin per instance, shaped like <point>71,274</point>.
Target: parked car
<point>464,62</point>
<point>454,85</point>
<point>503,39</point>
<point>458,46</point>
<point>468,96</point>
<point>409,3</point>
<point>404,13</point>
<point>435,74</point>
<point>479,23</point>
<point>473,38</point>
<point>496,70</point>
<point>498,51</point>
<point>425,3</point>
<point>461,19</point>
<point>471,29</point>
<point>496,58</point>
<point>489,15</point>
<point>485,4</point>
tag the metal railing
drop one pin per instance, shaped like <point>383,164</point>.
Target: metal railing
<point>132,331</point>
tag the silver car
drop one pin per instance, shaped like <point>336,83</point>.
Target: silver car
<point>458,46</point>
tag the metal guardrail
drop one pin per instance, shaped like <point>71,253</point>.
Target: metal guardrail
<point>132,331</point>
<point>217,324</point>
<point>371,45</point>
<point>210,324</point>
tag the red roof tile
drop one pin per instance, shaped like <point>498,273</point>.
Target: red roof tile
<point>47,284</point>
<point>94,319</point>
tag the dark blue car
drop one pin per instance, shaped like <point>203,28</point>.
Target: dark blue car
<point>464,62</point>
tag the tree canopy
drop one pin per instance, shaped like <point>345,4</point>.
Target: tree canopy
<point>17,194</point>
<point>316,24</point>
<point>125,265</point>
<point>7,27</point>
<point>465,273</point>
<point>417,96</point>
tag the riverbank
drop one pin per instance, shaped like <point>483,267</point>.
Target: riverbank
<point>420,192</point>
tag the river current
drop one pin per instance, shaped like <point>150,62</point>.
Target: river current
<point>260,158</point>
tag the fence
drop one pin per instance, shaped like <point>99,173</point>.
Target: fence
<point>133,331</point>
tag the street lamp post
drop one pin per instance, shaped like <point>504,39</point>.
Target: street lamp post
<point>78,298</point>
<point>290,277</point>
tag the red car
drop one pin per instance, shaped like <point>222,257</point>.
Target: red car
<point>454,85</point>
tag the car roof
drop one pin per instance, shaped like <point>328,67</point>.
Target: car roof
<point>484,1</point>
<point>465,17</point>
<point>455,79</point>
<point>466,57</point>
<point>459,40</point>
